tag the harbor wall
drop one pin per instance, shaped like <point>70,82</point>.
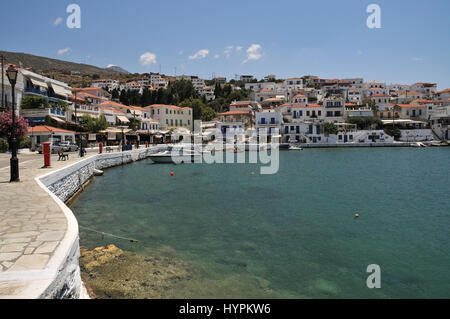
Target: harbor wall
<point>64,280</point>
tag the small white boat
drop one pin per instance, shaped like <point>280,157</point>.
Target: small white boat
<point>175,158</point>
<point>295,148</point>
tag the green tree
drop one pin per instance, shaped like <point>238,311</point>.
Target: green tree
<point>365,122</point>
<point>394,132</point>
<point>34,102</point>
<point>208,114</point>
<point>93,125</point>
<point>199,109</point>
<point>134,124</point>
<point>330,128</point>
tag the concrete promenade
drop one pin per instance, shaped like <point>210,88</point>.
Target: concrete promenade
<point>32,227</point>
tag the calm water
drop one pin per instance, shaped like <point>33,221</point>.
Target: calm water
<point>289,235</point>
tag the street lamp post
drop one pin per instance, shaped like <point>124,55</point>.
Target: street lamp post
<point>11,72</point>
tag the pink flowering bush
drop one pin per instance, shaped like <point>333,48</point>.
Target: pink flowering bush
<point>6,126</point>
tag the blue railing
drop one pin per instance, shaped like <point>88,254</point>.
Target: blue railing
<point>58,112</point>
<point>35,91</point>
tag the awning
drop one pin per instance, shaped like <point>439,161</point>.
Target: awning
<point>136,112</point>
<point>60,90</point>
<point>122,119</point>
<point>57,119</point>
<point>39,83</point>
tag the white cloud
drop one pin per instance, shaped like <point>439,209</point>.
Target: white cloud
<point>147,58</point>
<point>227,51</point>
<point>58,21</point>
<point>239,48</point>
<point>216,56</point>
<point>253,53</point>
<point>64,51</point>
<point>201,54</point>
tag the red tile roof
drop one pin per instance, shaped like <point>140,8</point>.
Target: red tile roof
<point>379,95</point>
<point>47,129</point>
<point>234,113</point>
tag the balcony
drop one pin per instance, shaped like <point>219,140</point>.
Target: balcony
<point>35,91</point>
<point>57,112</point>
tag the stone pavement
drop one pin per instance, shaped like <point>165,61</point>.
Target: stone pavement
<point>31,225</point>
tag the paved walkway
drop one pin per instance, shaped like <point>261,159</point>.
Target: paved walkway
<point>31,225</point>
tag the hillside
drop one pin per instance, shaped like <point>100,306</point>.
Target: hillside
<point>62,70</point>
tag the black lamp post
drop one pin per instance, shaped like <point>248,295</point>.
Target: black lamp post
<point>11,72</point>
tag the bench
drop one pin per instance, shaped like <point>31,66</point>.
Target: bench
<point>109,149</point>
<point>63,156</point>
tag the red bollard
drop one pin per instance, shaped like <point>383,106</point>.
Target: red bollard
<point>100,148</point>
<point>146,144</point>
<point>46,149</point>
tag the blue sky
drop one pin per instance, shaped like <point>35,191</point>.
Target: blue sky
<point>287,38</point>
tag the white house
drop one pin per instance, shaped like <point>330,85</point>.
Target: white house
<point>268,120</point>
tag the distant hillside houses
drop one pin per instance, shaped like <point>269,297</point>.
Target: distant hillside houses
<point>303,109</point>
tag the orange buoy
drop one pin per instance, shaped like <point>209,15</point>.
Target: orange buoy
<point>171,174</point>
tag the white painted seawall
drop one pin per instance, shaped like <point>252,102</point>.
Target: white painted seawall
<point>61,278</point>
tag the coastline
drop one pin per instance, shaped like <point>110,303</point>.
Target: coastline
<point>56,274</point>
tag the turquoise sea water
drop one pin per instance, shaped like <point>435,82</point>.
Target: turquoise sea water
<point>292,234</point>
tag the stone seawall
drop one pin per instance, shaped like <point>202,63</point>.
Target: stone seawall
<point>62,184</point>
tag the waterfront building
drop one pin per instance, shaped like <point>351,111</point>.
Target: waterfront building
<point>113,116</point>
<point>270,121</point>
<point>42,133</point>
<point>42,97</point>
<point>236,119</point>
<point>411,111</point>
<point>84,107</point>
<point>171,116</point>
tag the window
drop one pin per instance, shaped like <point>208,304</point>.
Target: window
<point>167,121</point>
<point>307,113</point>
<point>167,111</point>
<point>171,122</point>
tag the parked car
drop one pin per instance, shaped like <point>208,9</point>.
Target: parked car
<point>54,148</point>
<point>69,146</point>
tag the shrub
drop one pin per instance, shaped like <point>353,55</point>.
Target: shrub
<point>3,145</point>
<point>394,132</point>
<point>25,142</point>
